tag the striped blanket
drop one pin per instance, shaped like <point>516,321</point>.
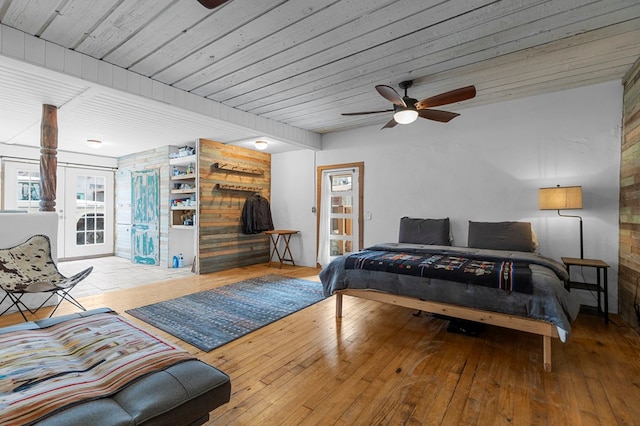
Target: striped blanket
<point>477,270</point>
<point>45,370</point>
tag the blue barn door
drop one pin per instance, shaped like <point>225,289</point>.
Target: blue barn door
<point>145,212</point>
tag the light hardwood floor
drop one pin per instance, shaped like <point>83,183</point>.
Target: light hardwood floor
<point>380,364</point>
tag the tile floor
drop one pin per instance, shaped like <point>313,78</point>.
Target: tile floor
<point>115,273</point>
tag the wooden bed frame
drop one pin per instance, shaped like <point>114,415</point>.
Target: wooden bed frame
<point>543,328</point>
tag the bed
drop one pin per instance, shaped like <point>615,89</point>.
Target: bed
<point>497,279</point>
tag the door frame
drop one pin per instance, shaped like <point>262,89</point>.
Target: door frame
<point>319,171</point>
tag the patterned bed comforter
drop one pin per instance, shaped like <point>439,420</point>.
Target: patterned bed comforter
<point>548,299</point>
<point>470,269</point>
<point>45,370</point>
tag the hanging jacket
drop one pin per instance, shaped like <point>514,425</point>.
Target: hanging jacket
<point>256,215</point>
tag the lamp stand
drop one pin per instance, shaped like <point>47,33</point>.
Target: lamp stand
<point>581,239</point>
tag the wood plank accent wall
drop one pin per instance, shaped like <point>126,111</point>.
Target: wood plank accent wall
<point>629,254</point>
<point>222,245</point>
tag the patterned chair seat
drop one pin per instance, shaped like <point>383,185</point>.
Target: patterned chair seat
<point>29,268</point>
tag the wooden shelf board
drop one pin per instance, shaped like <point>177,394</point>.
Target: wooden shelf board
<point>232,167</point>
<point>584,286</point>
<point>180,161</point>
<point>191,227</point>
<point>183,177</point>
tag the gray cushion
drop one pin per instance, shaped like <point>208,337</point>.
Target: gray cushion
<point>183,393</point>
<point>424,231</point>
<point>514,236</point>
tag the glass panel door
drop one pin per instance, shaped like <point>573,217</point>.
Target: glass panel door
<point>21,191</point>
<point>28,190</point>
<point>84,202</point>
<point>89,210</point>
<point>21,186</point>
<point>89,207</point>
<point>341,215</point>
<point>341,204</point>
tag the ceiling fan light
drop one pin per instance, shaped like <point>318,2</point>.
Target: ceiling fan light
<point>94,143</point>
<point>261,145</point>
<point>405,116</point>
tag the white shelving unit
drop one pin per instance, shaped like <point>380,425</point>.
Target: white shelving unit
<point>183,198</point>
<point>183,207</point>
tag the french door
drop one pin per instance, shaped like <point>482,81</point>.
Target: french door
<point>88,212</point>
<point>84,203</point>
<point>340,210</point>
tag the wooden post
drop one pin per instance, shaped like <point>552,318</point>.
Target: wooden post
<point>48,159</point>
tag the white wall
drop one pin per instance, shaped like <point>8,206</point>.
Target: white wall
<point>292,197</point>
<point>485,165</point>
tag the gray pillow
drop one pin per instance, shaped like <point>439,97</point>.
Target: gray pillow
<point>424,231</point>
<point>514,236</point>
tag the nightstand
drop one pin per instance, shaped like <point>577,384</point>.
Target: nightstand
<point>601,285</point>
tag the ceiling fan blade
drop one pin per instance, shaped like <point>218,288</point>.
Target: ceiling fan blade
<point>390,124</point>
<point>211,4</point>
<point>366,112</point>
<point>457,95</point>
<point>437,115</point>
<point>390,94</point>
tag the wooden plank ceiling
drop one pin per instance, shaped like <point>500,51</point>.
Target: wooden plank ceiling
<point>304,62</point>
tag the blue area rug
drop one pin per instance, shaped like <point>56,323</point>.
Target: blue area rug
<point>212,318</point>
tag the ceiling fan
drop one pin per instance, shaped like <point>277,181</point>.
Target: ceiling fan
<point>406,110</point>
<point>210,4</point>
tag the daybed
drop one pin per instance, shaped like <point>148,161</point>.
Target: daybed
<point>97,368</point>
<point>497,280</point>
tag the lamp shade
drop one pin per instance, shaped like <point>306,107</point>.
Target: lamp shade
<point>405,116</point>
<point>560,198</point>
<point>261,145</point>
<point>94,143</point>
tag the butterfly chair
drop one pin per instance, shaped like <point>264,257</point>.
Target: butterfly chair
<point>28,268</point>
